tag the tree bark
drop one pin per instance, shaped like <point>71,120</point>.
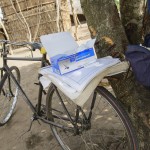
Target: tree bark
<point>146,20</point>
<point>105,24</point>
<point>132,12</point>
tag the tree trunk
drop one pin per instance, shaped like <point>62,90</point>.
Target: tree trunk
<point>146,20</point>
<point>132,12</point>
<point>104,23</point>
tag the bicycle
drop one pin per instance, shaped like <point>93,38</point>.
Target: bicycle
<point>101,124</point>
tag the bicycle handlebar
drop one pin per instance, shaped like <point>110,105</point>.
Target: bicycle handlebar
<point>34,45</point>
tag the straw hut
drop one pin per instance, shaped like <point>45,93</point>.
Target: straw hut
<point>27,20</point>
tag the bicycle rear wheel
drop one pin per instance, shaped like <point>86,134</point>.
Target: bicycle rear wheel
<point>110,127</point>
<point>8,95</point>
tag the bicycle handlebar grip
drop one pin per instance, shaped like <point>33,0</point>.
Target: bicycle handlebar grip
<point>36,46</point>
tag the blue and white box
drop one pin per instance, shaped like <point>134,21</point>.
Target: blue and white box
<point>65,54</point>
<point>67,63</point>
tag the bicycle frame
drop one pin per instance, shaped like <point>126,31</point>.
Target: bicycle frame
<point>37,110</point>
<point>75,119</point>
<point>6,68</point>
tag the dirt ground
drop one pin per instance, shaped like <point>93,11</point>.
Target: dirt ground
<point>13,135</point>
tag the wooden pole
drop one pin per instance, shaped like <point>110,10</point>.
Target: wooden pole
<point>6,34</point>
<point>75,19</point>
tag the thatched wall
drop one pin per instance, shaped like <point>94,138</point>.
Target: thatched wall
<point>23,4</point>
<point>33,18</point>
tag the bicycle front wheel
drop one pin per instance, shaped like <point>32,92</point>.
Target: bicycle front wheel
<point>106,127</point>
<point>8,95</point>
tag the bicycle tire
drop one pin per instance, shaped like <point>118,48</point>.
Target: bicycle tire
<point>121,134</point>
<point>8,95</point>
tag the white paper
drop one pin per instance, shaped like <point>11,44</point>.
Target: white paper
<point>80,78</point>
<point>63,43</point>
<point>45,81</point>
<point>59,43</point>
<point>88,44</point>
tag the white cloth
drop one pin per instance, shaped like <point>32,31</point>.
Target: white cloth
<point>81,82</point>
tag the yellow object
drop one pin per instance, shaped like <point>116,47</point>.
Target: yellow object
<point>42,50</point>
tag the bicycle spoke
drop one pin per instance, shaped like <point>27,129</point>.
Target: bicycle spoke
<point>8,95</point>
<point>105,130</point>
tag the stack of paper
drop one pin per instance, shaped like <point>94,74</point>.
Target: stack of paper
<point>78,80</point>
<point>79,85</point>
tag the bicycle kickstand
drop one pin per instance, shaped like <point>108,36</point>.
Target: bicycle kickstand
<point>33,118</point>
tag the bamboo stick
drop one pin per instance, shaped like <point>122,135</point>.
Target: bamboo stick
<point>7,36</point>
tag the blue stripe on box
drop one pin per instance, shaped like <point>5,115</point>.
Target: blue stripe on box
<point>85,54</point>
